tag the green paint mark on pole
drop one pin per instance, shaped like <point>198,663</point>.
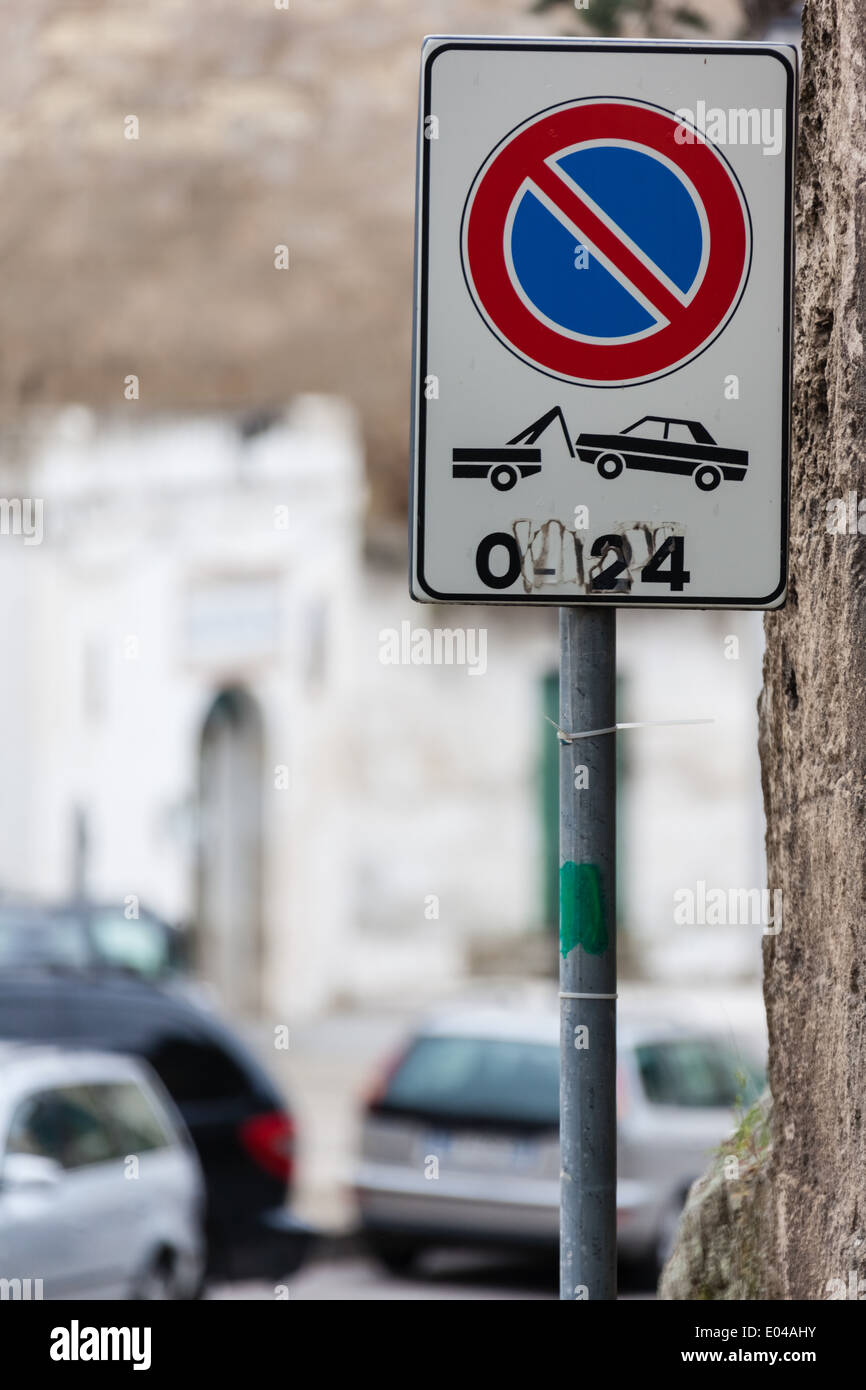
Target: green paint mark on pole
<point>581,909</point>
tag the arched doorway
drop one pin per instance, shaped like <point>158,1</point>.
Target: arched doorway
<point>229,909</point>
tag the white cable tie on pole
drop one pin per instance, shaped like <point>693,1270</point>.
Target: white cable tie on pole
<point>567,994</point>
<point>614,728</point>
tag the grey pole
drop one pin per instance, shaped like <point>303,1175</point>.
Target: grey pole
<point>587,961</point>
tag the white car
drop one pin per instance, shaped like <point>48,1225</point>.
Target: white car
<point>101,1194</point>
<point>460,1144</point>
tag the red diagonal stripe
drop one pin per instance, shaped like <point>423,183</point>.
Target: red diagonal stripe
<point>626,262</point>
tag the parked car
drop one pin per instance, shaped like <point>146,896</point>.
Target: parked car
<point>238,1121</point>
<point>460,1141</point>
<point>89,934</point>
<point>101,1192</point>
<point>659,444</point>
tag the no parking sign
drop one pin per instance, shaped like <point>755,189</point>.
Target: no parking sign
<point>606,177</point>
<point>603,300</point>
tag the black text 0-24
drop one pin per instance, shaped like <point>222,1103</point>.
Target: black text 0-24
<point>540,554</point>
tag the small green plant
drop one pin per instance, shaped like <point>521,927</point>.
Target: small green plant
<point>751,1138</point>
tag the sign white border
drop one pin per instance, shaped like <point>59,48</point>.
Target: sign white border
<point>436,45</point>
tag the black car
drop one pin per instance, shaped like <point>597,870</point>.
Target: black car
<point>659,444</point>
<point>79,934</point>
<point>235,1115</point>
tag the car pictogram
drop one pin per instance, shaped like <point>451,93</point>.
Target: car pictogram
<point>660,444</point>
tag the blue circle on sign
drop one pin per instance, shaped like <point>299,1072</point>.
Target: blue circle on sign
<point>566,282</point>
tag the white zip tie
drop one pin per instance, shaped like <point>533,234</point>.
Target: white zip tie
<point>613,728</point>
<point>566,994</point>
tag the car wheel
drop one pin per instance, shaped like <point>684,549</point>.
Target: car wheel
<point>707,477</point>
<point>610,465</point>
<point>157,1284</point>
<point>395,1254</point>
<point>503,477</point>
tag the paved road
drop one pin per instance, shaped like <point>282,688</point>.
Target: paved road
<point>458,1275</point>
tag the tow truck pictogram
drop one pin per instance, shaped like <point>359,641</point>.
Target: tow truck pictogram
<point>504,466</point>
<point>654,444</point>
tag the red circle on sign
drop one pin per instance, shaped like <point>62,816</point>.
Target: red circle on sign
<point>687,327</point>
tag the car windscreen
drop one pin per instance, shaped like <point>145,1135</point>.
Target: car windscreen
<point>84,1124</point>
<point>488,1079</point>
<point>647,428</point>
<point>698,1073</point>
<point>28,940</point>
<point>138,944</point>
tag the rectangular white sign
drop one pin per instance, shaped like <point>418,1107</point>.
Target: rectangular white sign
<point>601,393</point>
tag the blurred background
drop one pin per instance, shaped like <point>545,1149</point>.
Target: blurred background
<point>213,787</point>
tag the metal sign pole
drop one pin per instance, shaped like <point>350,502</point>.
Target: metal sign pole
<point>587,971</point>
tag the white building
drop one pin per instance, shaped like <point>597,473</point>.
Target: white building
<point>197,710</point>
<point>180,652</point>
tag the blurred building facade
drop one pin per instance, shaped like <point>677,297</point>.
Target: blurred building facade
<point>179,661</point>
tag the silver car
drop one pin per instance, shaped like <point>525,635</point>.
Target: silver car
<point>459,1143</point>
<point>101,1193</point>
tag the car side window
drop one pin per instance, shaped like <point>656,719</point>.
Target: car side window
<point>695,1072</point>
<point>66,1124</point>
<point>680,434</point>
<point>129,1112</point>
<point>37,1127</point>
<point>647,429</point>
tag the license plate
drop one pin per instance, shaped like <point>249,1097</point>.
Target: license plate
<point>481,1153</point>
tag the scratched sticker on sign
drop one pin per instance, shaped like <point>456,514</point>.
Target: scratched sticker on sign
<point>550,553</point>
<point>603,301</point>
